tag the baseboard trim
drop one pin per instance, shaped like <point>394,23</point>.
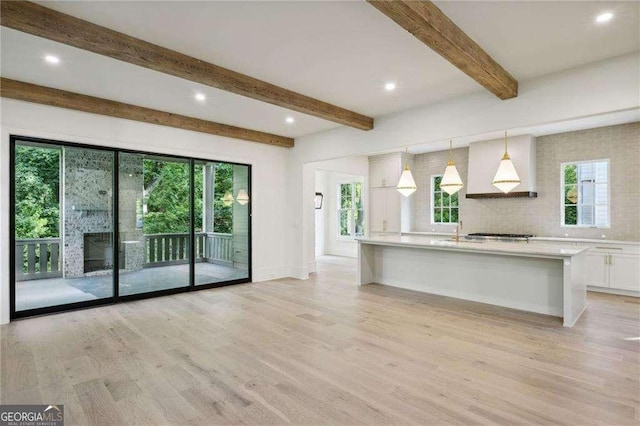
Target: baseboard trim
<point>617,291</point>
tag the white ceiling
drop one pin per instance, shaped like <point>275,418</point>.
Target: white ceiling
<point>339,52</point>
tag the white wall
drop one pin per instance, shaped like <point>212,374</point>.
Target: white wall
<point>595,89</point>
<point>269,173</point>
<point>322,214</point>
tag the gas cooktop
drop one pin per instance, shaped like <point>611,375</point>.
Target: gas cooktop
<point>494,236</point>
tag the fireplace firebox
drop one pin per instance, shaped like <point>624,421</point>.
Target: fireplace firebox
<point>98,251</point>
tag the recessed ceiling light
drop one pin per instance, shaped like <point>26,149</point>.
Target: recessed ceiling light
<point>52,59</point>
<point>390,86</point>
<point>200,97</point>
<point>604,17</point>
<point>289,120</point>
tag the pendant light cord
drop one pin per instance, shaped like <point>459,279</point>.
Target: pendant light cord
<point>506,154</point>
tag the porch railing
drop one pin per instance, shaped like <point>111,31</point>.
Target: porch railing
<point>172,249</point>
<point>38,258</point>
<point>41,257</point>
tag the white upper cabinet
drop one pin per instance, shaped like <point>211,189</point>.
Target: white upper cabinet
<point>385,170</point>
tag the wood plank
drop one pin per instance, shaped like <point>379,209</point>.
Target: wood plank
<point>19,261</point>
<point>152,250</point>
<point>174,248</point>
<point>22,91</point>
<point>431,26</point>
<point>31,256</point>
<point>44,258</point>
<point>182,244</point>
<point>55,252</point>
<point>326,351</point>
<point>47,23</point>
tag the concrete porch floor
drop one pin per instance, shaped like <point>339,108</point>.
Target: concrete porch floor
<point>59,291</point>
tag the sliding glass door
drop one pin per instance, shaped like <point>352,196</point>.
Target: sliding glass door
<point>221,222</point>
<point>63,225</point>
<point>181,224</point>
<point>154,223</point>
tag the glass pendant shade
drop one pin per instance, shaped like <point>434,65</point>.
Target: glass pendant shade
<point>506,177</point>
<point>227,200</point>
<point>406,185</point>
<point>243,197</point>
<point>451,182</point>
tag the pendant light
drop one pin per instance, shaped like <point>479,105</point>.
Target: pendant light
<point>227,200</point>
<point>242,198</point>
<point>506,177</point>
<point>451,182</point>
<point>406,184</point>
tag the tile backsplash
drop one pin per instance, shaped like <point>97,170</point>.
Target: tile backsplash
<point>541,216</point>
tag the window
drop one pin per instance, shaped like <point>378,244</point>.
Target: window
<point>444,207</point>
<point>585,194</point>
<point>350,212</point>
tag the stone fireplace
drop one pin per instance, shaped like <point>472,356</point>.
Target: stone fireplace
<point>98,251</point>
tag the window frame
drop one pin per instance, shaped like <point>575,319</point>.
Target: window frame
<point>432,197</point>
<point>15,139</point>
<point>353,209</point>
<point>562,195</point>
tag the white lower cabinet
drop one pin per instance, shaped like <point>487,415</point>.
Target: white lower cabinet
<point>624,272</point>
<point>614,268</point>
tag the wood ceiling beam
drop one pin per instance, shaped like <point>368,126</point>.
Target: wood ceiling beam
<point>47,23</point>
<point>428,24</point>
<point>19,90</point>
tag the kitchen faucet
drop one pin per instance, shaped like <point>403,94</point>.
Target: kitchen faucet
<point>458,228</point>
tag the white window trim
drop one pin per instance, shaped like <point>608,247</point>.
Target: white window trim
<point>432,206</point>
<point>562,185</point>
<point>338,209</point>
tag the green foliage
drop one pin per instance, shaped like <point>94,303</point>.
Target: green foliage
<point>445,206</point>
<point>223,215</point>
<point>168,197</point>
<point>570,184</point>
<point>37,186</point>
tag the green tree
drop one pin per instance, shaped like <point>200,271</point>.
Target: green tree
<point>570,190</point>
<point>37,187</point>
<point>166,188</point>
<point>223,215</point>
<point>167,197</point>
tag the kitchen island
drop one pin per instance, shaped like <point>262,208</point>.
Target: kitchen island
<point>536,277</point>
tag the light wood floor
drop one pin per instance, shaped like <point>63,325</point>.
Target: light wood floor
<point>324,351</point>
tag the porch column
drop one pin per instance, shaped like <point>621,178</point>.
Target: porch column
<point>208,192</point>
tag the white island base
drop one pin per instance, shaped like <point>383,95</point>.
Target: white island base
<point>530,277</point>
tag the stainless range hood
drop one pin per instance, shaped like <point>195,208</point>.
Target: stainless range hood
<point>484,159</point>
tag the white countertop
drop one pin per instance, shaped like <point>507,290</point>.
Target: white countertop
<point>538,249</point>
<point>553,239</point>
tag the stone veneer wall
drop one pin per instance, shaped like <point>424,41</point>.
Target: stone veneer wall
<point>87,202</point>
<point>130,193</point>
<point>541,216</point>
